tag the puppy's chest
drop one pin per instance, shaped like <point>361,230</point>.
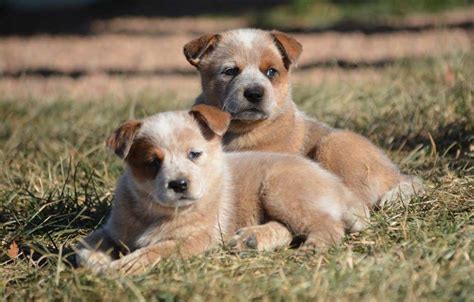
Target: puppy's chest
<point>166,229</point>
<point>289,144</point>
<point>281,139</point>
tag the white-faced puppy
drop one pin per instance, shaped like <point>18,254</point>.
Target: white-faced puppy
<point>245,72</point>
<point>182,195</point>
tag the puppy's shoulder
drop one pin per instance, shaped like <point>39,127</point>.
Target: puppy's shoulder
<point>314,132</point>
<point>124,190</point>
<point>124,200</point>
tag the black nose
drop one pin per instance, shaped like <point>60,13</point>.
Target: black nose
<point>178,185</point>
<point>254,94</point>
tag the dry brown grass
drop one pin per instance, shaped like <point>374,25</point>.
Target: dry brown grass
<point>57,181</point>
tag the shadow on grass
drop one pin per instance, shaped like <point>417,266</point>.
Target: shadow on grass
<point>449,139</point>
<point>41,223</point>
<point>188,72</point>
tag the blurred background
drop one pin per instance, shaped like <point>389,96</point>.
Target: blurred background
<point>88,49</point>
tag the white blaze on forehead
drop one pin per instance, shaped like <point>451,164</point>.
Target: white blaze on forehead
<point>252,41</point>
<point>162,128</point>
<point>246,37</point>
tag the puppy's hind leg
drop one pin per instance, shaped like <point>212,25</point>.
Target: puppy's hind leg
<point>303,208</point>
<point>357,215</point>
<point>362,166</point>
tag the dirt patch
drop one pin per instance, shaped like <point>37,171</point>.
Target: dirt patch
<point>163,54</point>
<point>167,26</point>
<point>98,86</point>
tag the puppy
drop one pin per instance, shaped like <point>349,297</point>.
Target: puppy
<point>182,195</point>
<point>246,72</point>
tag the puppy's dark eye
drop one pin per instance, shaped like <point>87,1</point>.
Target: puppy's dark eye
<point>231,71</point>
<point>271,73</point>
<point>192,155</point>
<point>155,162</point>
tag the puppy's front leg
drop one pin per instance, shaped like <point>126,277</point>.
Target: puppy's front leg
<point>96,251</point>
<point>145,258</point>
<point>265,237</point>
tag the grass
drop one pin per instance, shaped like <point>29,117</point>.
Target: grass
<point>326,13</point>
<point>57,182</point>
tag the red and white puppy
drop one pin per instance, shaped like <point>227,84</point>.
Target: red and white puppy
<point>246,72</point>
<point>181,195</point>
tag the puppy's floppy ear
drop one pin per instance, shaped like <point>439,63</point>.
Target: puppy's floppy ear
<point>121,139</point>
<point>212,119</point>
<point>289,48</point>
<point>196,49</point>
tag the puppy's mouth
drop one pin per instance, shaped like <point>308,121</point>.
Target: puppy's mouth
<point>183,202</point>
<point>249,115</point>
<point>176,202</point>
<point>186,199</point>
<point>180,202</point>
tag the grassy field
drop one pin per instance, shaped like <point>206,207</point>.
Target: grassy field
<point>57,182</point>
<point>328,13</point>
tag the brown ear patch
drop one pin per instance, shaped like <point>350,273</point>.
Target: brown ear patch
<point>217,121</point>
<point>288,47</point>
<point>121,139</point>
<point>196,49</point>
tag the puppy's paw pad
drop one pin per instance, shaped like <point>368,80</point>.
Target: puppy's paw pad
<point>251,241</point>
<point>245,239</point>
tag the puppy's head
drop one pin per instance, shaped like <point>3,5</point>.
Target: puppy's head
<point>245,72</point>
<point>174,156</point>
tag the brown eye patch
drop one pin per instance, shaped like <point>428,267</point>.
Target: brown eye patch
<point>270,60</point>
<point>144,159</point>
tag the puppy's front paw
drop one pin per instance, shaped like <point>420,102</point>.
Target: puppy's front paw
<point>244,239</point>
<point>265,237</point>
<point>133,264</point>
<point>98,262</point>
<point>312,246</point>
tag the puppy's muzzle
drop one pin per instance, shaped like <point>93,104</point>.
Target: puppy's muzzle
<point>248,107</point>
<point>254,94</point>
